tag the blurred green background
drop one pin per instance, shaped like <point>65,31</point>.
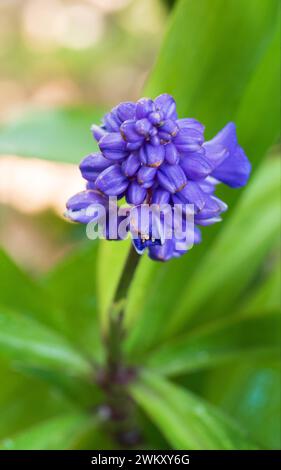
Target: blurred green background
<point>205,328</point>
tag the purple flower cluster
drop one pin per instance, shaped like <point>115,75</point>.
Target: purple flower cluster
<point>148,155</point>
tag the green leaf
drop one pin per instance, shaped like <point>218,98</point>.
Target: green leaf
<point>56,434</point>
<point>30,298</point>
<point>26,340</point>
<point>255,104</point>
<point>216,81</point>
<point>94,438</point>
<point>220,342</point>
<point>79,390</point>
<point>72,285</point>
<point>186,421</point>
<point>250,391</point>
<point>236,253</point>
<point>111,260</point>
<point>217,75</point>
<point>232,261</point>
<point>60,134</point>
<point>21,399</point>
<point>267,296</point>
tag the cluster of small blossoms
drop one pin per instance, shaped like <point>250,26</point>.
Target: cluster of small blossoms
<point>150,156</point>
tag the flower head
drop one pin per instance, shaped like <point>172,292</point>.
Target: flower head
<point>150,156</point>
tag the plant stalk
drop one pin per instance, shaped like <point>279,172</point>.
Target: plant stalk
<point>116,375</point>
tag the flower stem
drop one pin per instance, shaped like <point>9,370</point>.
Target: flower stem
<point>116,374</point>
<point>127,275</point>
<point>116,314</point>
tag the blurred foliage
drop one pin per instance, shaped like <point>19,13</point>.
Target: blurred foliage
<point>67,51</point>
<point>169,3</point>
<point>204,329</point>
<point>67,132</point>
<point>186,420</point>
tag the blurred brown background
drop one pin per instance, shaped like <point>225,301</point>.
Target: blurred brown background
<point>56,53</point>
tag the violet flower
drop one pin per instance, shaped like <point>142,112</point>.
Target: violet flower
<point>149,155</point>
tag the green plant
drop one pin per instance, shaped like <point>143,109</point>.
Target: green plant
<point>199,342</point>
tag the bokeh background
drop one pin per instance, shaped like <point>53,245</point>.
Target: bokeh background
<point>55,54</point>
<point>206,325</point>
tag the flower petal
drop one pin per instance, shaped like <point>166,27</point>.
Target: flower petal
<point>171,154</point>
<point>229,161</point>
<point>208,185</point>
<point>140,222</point>
<point>235,170</point>
<point>162,252</point>
<point>155,118</point>
<point>190,123</point>
<point>83,207</point>
<point>222,145</point>
<point>126,110</point>
<point>193,194</point>
<point>213,208</point>
<point>146,173</point>
<point>148,184</point>
<point>167,105</point>
<point>155,141</point>
<point>207,222</point>
<point>152,155</point>
<point>131,165</point>
<point>226,137</point>
<point>188,140</point>
<point>129,132</point>
<point>144,107</point>
<point>98,132</point>
<point>171,177</point>
<point>139,245</point>
<point>164,137</point>
<point>143,127</point>
<point>92,165</point>
<point>222,205</point>
<point>84,199</point>
<point>160,196</point>
<point>181,247</point>
<point>135,194</point>
<point>112,181</point>
<point>111,121</point>
<point>91,185</point>
<point>169,126</point>
<point>132,146</point>
<point>195,166</point>
<point>113,146</point>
